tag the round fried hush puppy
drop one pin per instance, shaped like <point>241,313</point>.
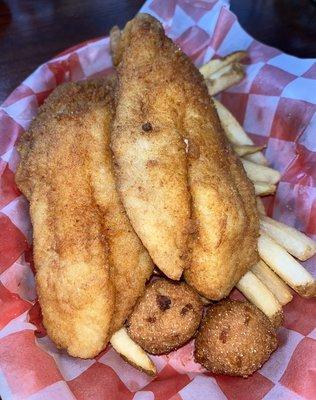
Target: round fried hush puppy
<point>235,338</point>
<point>166,317</point>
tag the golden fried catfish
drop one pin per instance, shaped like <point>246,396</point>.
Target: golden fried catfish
<point>185,192</point>
<point>90,265</point>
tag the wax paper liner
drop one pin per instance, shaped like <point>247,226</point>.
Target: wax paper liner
<point>276,106</point>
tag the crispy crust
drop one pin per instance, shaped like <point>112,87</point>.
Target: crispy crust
<point>158,83</point>
<point>166,317</point>
<point>86,287</point>
<point>277,319</point>
<point>235,338</point>
<point>307,291</point>
<point>150,158</point>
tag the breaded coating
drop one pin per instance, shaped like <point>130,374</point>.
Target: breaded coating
<point>72,267</point>
<point>235,338</point>
<point>166,317</point>
<point>149,151</point>
<point>130,261</point>
<point>86,283</point>
<point>162,95</point>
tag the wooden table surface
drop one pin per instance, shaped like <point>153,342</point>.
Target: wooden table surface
<point>32,31</point>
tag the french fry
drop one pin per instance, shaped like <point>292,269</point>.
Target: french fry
<point>283,264</point>
<point>235,133</point>
<point>132,352</point>
<point>214,65</point>
<point>260,173</point>
<point>258,294</point>
<point>257,158</point>
<point>115,37</point>
<point>264,188</point>
<point>294,241</point>
<point>260,206</point>
<point>276,286</point>
<point>246,149</point>
<point>224,78</point>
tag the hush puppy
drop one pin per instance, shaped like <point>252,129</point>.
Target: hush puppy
<point>166,317</point>
<point>235,338</point>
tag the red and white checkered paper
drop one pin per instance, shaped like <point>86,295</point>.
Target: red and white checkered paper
<point>276,106</point>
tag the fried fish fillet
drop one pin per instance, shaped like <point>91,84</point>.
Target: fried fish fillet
<point>159,87</point>
<point>90,265</point>
<point>150,158</point>
<point>130,261</point>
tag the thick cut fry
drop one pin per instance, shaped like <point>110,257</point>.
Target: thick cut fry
<point>132,352</point>
<point>294,241</point>
<point>257,158</point>
<point>224,78</point>
<point>276,286</point>
<point>292,272</point>
<point>260,206</point>
<point>258,294</point>
<point>115,35</point>
<point>215,65</point>
<point>264,188</point>
<point>227,70</point>
<point>246,149</point>
<point>260,173</point>
<point>235,133</point>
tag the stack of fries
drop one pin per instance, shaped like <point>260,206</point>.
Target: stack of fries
<point>267,284</point>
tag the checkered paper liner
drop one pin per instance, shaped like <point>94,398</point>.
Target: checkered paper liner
<point>276,106</point>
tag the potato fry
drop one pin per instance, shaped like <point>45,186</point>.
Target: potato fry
<point>283,264</point>
<point>264,188</point>
<point>224,78</point>
<point>258,294</point>
<point>235,133</point>
<point>246,149</point>
<point>260,173</point>
<point>214,65</point>
<point>227,70</point>
<point>257,158</point>
<point>276,286</point>
<point>132,352</point>
<point>260,206</point>
<point>115,37</point>
<point>294,241</point>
